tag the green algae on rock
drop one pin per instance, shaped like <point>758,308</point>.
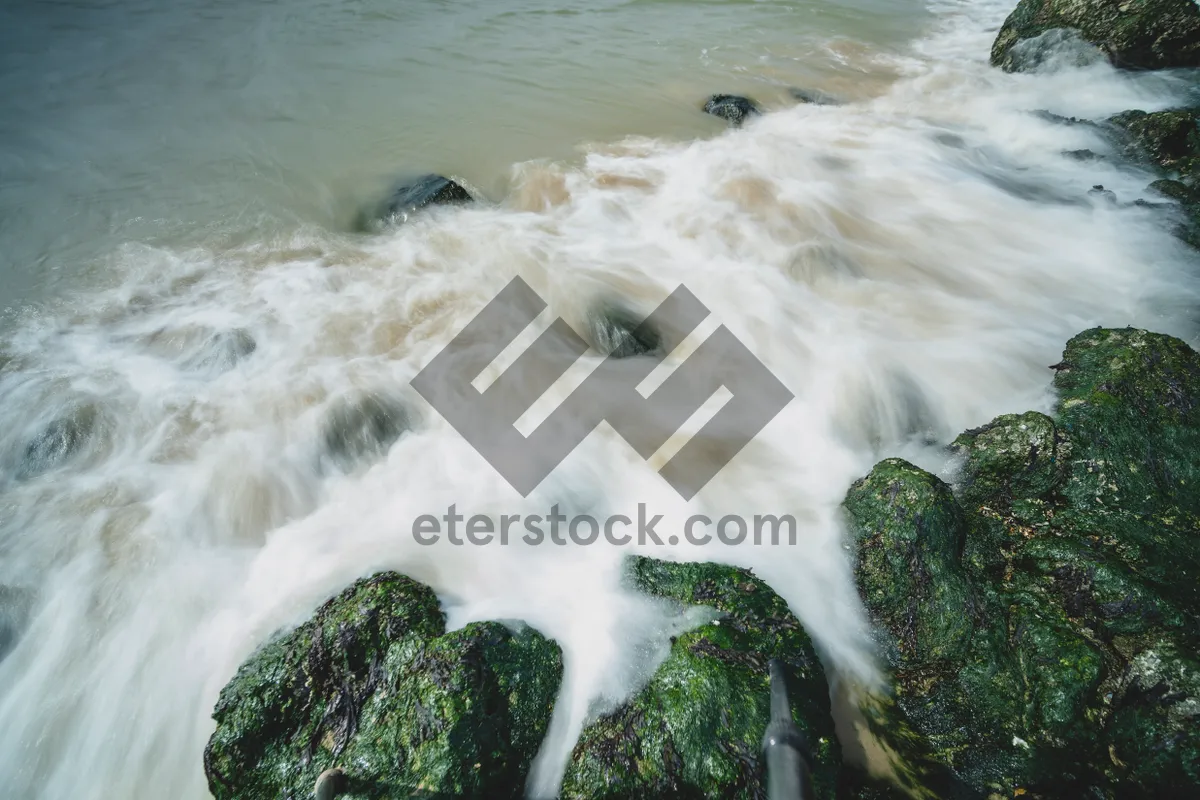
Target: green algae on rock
<point>909,558</point>
<point>1167,139</point>
<point>695,731</point>
<point>1141,34</point>
<point>1078,675</point>
<point>1169,143</point>
<point>373,684</point>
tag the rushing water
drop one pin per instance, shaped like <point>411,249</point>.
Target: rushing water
<point>188,308</point>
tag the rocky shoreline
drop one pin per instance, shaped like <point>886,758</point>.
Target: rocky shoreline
<point>1039,617</point>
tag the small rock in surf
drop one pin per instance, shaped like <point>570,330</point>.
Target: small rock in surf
<point>618,332</point>
<point>1100,193</point>
<point>223,351</point>
<point>732,108</point>
<point>60,441</point>
<point>411,196</point>
<point>814,96</point>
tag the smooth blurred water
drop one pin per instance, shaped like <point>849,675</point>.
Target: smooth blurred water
<point>189,313</point>
<point>203,120</point>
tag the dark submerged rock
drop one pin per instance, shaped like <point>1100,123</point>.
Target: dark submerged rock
<point>15,606</point>
<point>1100,193</point>
<point>732,108</point>
<point>614,330</point>
<point>363,429</point>
<point>1145,34</point>
<point>1073,670</point>
<point>200,348</point>
<point>223,351</point>
<point>62,440</point>
<point>412,195</point>
<point>696,729</point>
<point>374,685</point>
<point>1059,119</point>
<point>814,97</point>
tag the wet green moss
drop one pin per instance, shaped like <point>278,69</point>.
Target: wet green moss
<point>1016,457</point>
<point>695,731</point>
<point>374,685</point>
<point>1141,34</point>
<point>1079,573</point>
<point>909,571</point>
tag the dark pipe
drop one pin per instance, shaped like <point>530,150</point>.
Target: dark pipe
<point>784,746</point>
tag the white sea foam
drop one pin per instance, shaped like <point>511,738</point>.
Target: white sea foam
<point>908,265</point>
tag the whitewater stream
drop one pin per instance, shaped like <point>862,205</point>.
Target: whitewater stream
<point>188,311</point>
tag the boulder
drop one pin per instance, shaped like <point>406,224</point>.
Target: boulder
<point>731,108</point>
<point>1069,549</point>
<point>375,689</point>
<point>1142,34</point>
<point>410,196</point>
<point>696,729</point>
<point>1054,49</point>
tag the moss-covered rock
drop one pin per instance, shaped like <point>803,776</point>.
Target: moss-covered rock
<point>909,570</point>
<point>1169,143</point>
<point>373,684</point>
<point>1167,139</point>
<point>1143,34</point>
<point>695,731</point>
<point>1077,675</point>
<point>1016,456</point>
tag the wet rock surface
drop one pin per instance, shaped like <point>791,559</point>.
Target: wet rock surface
<point>1167,139</point>
<point>200,348</point>
<point>375,696</point>
<point>15,606</point>
<point>1167,142</point>
<point>63,440</point>
<point>814,97</point>
<point>361,429</point>
<point>1140,34</point>
<point>223,351</point>
<point>695,731</point>
<point>616,331</point>
<point>409,197</point>
<point>732,108</point>
<point>1042,618</point>
<point>374,685</point>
